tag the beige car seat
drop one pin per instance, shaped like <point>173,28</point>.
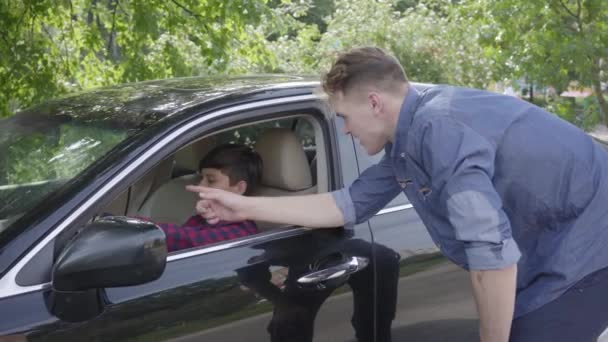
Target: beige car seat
<point>187,158</point>
<point>171,203</point>
<point>286,171</point>
<point>130,201</point>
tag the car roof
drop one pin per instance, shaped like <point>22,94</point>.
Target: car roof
<point>145,103</point>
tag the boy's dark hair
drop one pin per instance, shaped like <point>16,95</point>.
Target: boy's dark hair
<point>238,162</point>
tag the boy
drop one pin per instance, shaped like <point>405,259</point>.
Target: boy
<point>230,167</point>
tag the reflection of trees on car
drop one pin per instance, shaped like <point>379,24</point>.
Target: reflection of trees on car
<point>248,135</point>
<point>43,157</point>
<point>34,165</point>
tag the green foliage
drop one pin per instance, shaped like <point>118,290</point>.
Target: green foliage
<point>584,114</point>
<point>547,42</point>
<point>49,47</point>
<point>590,114</point>
<point>424,35</point>
<point>565,109</point>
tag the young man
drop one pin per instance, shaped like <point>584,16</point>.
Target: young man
<point>508,191</point>
<point>232,168</point>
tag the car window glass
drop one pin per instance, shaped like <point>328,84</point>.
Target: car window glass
<point>305,131</point>
<point>40,153</point>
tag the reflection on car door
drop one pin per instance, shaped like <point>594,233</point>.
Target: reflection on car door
<point>434,300</point>
<point>249,292</point>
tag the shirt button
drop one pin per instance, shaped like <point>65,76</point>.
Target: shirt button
<point>402,155</point>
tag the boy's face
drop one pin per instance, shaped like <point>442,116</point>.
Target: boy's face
<point>215,178</point>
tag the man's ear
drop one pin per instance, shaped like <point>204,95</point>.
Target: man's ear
<point>375,102</point>
<point>241,187</point>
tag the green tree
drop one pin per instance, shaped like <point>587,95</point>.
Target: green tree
<point>50,47</point>
<point>429,38</point>
<point>548,42</point>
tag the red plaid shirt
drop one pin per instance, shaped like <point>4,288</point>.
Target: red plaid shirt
<point>197,232</point>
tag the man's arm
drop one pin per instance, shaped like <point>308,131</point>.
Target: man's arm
<point>460,164</point>
<point>365,197</point>
<point>494,292</point>
<point>318,211</point>
<point>309,210</point>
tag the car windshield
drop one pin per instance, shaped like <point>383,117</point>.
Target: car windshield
<point>44,147</point>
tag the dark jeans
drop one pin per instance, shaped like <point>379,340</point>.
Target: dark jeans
<point>579,315</point>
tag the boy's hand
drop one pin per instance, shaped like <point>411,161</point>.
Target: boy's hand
<point>219,205</point>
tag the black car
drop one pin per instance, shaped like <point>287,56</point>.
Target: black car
<point>76,264</point>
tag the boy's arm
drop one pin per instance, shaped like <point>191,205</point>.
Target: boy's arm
<point>182,237</point>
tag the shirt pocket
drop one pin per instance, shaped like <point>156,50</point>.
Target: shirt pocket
<point>422,188</point>
<point>415,187</point>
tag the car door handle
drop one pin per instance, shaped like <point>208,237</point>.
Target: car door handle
<point>352,265</point>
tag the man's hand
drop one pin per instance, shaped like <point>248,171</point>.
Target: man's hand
<point>218,205</point>
<point>494,292</point>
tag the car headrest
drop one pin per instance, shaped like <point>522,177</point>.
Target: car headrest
<point>171,203</point>
<point>284,159</point>
<point>188,157</point>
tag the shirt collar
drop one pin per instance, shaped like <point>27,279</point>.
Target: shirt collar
<point>406,115</point>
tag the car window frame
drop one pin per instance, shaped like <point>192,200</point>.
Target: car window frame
<point>183,134</point>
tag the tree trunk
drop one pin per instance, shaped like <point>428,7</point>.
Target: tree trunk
<point>597,90</point>
<point>531,93</point>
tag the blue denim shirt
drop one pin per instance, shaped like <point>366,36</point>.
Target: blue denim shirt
<point>496,181</point>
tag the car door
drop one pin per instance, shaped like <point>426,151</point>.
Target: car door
<point>282,285</point>
<point>434,301</point>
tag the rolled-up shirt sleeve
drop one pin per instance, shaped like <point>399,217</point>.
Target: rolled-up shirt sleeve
<point>460,165</point>
<point>368,194</point>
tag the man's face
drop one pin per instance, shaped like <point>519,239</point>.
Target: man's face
<point>361,119</point>
<point>215,178</point>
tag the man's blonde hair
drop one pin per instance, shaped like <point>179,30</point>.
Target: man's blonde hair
<point>363,66</point>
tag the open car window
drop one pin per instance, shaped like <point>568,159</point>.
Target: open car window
<point>287,147</point>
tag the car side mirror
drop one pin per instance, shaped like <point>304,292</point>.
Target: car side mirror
<point>113,251</point>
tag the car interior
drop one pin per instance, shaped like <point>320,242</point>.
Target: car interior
<point>294,163</point>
